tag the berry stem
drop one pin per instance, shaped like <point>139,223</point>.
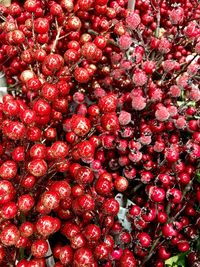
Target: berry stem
<point>140,37</point>
<point>92,32</point>
<point>57,37</point>
<point>21,253</point>
<point>151,252</point>
<point>62,37</point>
<point>184,69</point>
<point>21,250</point>
<point>2,17</point>
<point>187,188</point>
<point>33,29</point>
<point>137,187</point>
<point>158,23</point>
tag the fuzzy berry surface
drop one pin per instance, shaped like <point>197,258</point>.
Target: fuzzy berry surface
<point>103,101</point>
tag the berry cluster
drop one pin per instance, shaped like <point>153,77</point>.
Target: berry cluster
<point>103,98</point>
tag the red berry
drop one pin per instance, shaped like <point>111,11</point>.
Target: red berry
<point>66,255</point>
<point>9,210</point>
<point>183,246</point>
<point>46,225</point>
<point>144,239</point>
<point>127,260</point>
<point>102,251</point>
<point>39,248</point>
<point>11,108</point>
<point>163,253</point>
<point>108,103</point>
<point>7,191</point>
<point>50,200</point>
<point>8,170</point>
<point>59,149</point>
<point>37,167</point>
<point>157,194</point>
<point>84,176</point>
<point>121,183</point>
<point>15,130</point>
<point>92,232</point>
<point>49,91</point>
<point>10,235</point>
<point>80,125</point>
<point>41,107</point>
<point>168,230</point>
<point>18,154</point>
<point>62,188</point>
<point>25,203</point>
<point>103,186</point>
<point>41,25</point>
<point>110,122</point>
<point>111,207</point>
<point>38,151</point>
<point>83,256</point>
<point>26,229</point>
<point>81,75</point>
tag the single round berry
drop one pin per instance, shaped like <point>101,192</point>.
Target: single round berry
<point>41,25</point>
<point>59,149</point>
<point>39,248</point>
<point>10,235</point>
<point>37,167</point>
<point>8,170</point>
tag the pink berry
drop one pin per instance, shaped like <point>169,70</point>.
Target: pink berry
<point>138,102</point>
<point>177,15</point>
<point>162,114</point>
<point>175,91</point>
<point>139,77</point>
<point>133,20</point>
<point>125,41</point>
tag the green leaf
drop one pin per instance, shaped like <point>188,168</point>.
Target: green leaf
<point>171,260</point>
<point>176,261</point>
<point>198,176</point>
<point>184,103</point>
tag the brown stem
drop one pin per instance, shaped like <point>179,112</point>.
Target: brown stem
<point>185,67</point>
<point>33,28</point>
<point>2,17</point>
<point>57,37</point>
<point>63,36</point>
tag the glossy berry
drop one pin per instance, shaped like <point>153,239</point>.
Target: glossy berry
<point>10,235</point>
<point>37,167</point>
<point>39,248</point>
<point>144,239</point>
<point>66,255</point>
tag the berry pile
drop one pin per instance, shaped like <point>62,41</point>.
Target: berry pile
<point>103,99</point>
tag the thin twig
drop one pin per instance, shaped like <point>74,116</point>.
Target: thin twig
<point>33,28</point>
<point>2,17</point>
<point>158,23</point>
<point>184,68</point>
<point>57,37</point>
<point>62,37</point>
<point>151,252</point>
